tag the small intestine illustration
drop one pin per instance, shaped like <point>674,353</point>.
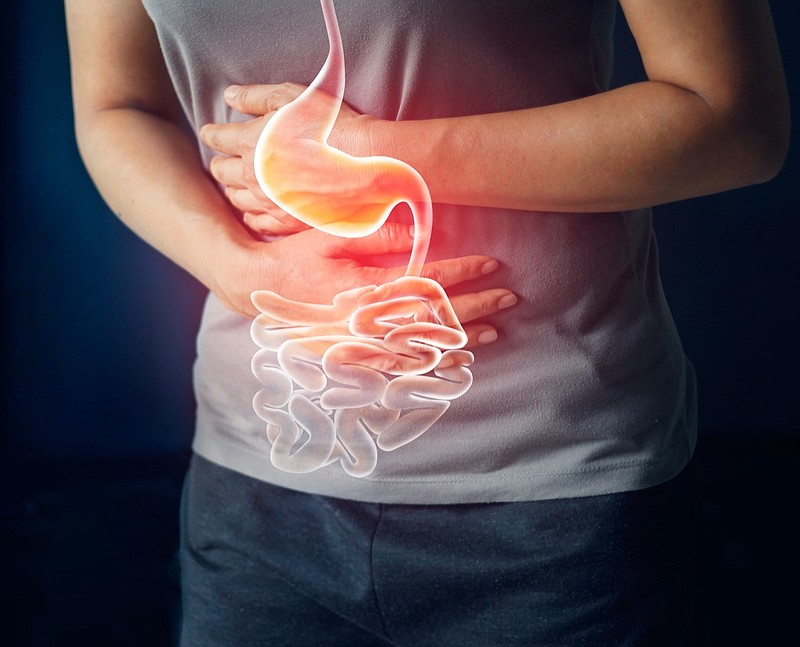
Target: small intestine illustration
<point>376,368</point>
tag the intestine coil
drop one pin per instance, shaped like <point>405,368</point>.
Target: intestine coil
<point>376,368</point>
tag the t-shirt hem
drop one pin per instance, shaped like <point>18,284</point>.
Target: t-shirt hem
<point>489,487</point>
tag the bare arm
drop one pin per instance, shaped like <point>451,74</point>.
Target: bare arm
<point>150,174</point>
<point>712,116</point>
<point>126,117</point>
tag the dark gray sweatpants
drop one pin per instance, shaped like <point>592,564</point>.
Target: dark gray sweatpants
<point>263,565</point>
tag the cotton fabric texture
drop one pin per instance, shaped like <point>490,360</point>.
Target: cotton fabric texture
<point>587,391</point>
<point>263,565</point>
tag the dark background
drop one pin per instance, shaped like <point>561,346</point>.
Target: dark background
<point>98,341</point>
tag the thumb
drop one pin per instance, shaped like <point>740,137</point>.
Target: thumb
<point>392,237</point>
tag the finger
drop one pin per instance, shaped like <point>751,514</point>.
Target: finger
<point>259,99</point>
<point>391,238</point>
<point>231,172</point>
<point>445,273</point>
<point>225,138</point>
<point>265,223</point>
<point>246,200</point>
<point>475,305</point>
<point>457,270</point>
<point>479,334</point>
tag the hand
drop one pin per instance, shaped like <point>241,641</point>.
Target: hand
<point>334,258</point>
<point>237,141</point>
<point>476,305</point>
<point>331,265</point>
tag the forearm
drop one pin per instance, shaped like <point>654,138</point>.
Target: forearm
<point>712,116</point>
<point>150,175</point>
<point>640,145</point>
<point>149,172</point>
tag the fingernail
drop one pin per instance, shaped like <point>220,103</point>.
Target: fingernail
<point>487,337</point>
<point>489,266</point>
<point>231,91</point>
<point>507,301</point>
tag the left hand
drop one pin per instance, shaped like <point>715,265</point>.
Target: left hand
<point>237,141</point>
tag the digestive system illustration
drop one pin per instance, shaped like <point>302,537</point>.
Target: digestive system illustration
<point>376,368</point>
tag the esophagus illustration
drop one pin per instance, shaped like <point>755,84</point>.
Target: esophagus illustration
<point>377,367</point>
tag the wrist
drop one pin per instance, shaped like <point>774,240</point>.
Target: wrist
<point>237,267</point>
<point>214,244</point>
<point>356,136</point>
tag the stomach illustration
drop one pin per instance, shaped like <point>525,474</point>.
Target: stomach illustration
<point>375,369</point>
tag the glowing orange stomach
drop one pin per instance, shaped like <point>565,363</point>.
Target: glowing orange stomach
<point>324,187</point>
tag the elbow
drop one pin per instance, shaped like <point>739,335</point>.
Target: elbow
<point>83,136</point>
<point>760,144</point>
<point>769,146</point>
<point>84,122</point>
<point>80,133</point>
<point>775,146</point>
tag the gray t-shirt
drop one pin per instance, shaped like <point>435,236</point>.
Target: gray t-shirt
<point>587,390</point>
